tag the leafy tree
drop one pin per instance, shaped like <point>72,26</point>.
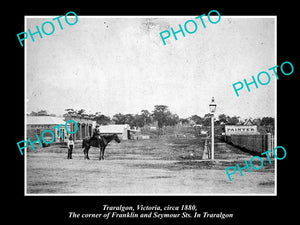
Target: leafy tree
<point>172,119</point>
<point>197,119</point>
<point>184,121</point>
<point>145,117</point>
<point>138,121</point>
<point>81,112</point>
<point>267,121</point>
<point>40,113</point>
<point>32,113</point>
<point>257,121</point>
<point>233,120</point>
<point>70,111</point>
<point>132,120</point>
<point>129,119</point>
<point>207,119</point>
<point>160,114</point>
<point>102,119</point>
<point>119,118</point>
<point>223,118</point>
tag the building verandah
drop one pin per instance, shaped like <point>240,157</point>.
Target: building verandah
<point>85,126</point>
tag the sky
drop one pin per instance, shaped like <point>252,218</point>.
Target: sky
<point>120,65</point>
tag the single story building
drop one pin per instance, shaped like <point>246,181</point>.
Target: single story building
<point>122,130</point>
<point>36,125</point>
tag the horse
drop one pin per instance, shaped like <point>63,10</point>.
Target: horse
<point>101,143</point>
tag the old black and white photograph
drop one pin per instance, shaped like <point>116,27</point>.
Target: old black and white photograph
<point>151,105</point>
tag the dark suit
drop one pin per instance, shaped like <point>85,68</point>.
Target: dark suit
<point>96,134</point>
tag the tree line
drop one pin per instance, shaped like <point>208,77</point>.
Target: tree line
<point>160,114</point>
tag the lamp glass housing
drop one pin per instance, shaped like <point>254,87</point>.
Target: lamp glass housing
<point>212,105</point>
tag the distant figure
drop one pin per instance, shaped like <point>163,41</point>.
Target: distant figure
<point>70,147</point>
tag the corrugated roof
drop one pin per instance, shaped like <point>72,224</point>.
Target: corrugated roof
<point>114,128</point>
<point>39,120</point>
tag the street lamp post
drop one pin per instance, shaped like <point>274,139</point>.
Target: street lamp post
<point>212,108</point>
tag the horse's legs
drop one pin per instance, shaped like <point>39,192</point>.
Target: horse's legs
<point>102,149</point>
<point>101,153</point>
<point>86,152</point>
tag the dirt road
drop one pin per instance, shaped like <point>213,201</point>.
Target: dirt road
<point>167,165</point>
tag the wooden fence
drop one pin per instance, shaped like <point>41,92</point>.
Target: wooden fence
<point>255,143</point>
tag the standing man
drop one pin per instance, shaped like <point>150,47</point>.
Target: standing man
<point>70,147</point>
